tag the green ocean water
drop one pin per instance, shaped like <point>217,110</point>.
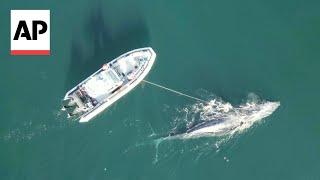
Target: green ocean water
<point>226,48</point>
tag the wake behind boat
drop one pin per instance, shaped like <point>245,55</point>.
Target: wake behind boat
<point>108,84</point>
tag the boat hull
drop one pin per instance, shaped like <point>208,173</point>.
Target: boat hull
<point>121,91</point>
<point>126,89</point>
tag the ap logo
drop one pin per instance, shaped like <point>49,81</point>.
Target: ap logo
<point>30,32</point>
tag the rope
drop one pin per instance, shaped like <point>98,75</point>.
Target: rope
<point>174,91</point>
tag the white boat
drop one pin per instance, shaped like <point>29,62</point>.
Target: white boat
<point>108,84</point>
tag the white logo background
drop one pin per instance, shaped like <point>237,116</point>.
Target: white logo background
<point>43,41</point>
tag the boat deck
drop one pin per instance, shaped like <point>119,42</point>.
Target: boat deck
<point>110,82</point>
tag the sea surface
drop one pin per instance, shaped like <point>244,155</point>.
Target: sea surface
<point>230,51</point>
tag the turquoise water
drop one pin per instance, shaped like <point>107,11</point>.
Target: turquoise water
<point>228,49</point>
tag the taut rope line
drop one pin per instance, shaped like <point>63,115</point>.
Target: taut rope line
<point>174,91</point>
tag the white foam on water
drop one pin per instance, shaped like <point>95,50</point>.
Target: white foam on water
<point>30,128</point>
<point>233,119</point>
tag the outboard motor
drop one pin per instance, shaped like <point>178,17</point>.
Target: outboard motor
<point>66,103</point>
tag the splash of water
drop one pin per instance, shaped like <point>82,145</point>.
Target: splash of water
<point>231,122</point>
<point>229,119</point>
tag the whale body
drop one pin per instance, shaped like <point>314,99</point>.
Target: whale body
<point>233,120</point>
